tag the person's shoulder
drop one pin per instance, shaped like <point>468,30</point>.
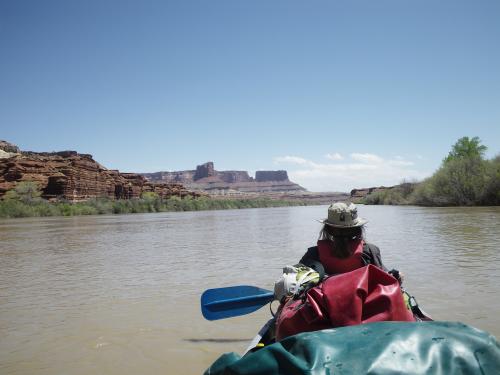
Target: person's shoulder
<point>312,248</point>
<point>312,253</point>
<point>371,247</point>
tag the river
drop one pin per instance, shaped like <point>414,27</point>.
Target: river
<point>120,294</point>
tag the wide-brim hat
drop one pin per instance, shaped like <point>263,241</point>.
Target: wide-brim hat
<point>342,215</point>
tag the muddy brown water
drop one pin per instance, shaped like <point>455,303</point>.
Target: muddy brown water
<point>120,294</point>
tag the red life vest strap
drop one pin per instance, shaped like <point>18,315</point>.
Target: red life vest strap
<point>334,265</point>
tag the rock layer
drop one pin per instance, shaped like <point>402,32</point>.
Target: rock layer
<point>8,150</point>
<point>264,176</point>
<point>75,177</point>
<point>358,194</point>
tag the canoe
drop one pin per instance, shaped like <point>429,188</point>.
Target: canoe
<point>431,347</point>
<point>381,347</point>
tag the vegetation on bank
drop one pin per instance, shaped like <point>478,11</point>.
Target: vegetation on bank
<point>465,178</point>
<point>25,201</point>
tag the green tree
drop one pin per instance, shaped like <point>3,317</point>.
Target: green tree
<point>464,178</point>
<point>468,148</point>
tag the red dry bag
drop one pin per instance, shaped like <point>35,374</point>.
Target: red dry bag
<point>365,295</point>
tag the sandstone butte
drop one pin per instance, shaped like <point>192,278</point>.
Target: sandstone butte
<point>274,184</point>
<point>224,184</point>
<point>219,183</point>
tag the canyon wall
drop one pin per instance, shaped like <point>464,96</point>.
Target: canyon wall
<point>74,177</point>
<point>71,176</point>
<point>263,176</point>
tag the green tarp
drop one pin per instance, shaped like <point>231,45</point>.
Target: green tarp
<point>376,348</point>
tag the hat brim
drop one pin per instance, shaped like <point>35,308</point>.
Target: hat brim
<point>357,223</point>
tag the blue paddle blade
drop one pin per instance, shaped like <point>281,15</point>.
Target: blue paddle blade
<point>220,303</point>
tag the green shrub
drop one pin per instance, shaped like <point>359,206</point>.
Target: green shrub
<point>491,192</point>
<point>14,207</point>
<point>398,195</point>
<point>44,208</point>
<point>27,192</point>
<point>459,182</point>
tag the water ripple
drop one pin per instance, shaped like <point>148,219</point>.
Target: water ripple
<point>127,285</point>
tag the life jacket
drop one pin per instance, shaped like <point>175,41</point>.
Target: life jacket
<point>334,265</point>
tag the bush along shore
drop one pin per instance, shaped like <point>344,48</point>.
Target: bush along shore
<point>465,178</point>
<point>25,201</point>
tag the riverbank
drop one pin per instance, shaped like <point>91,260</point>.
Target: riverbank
<point>42,208</point>
<point>457,184</point>
<point>465,178</point>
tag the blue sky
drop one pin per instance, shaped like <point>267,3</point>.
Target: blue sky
<point>341,94</point>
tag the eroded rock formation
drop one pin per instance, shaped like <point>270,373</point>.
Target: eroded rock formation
<point>204,170</point>
<point>76,177</point>
<point>206,178</point>
<point>357,194</point>
<point>9,147</point>
<point>264,176</point>
<point>8,150</point>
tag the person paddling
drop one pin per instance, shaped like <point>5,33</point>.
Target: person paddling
<point>341,248</point>
<point>339,282</point>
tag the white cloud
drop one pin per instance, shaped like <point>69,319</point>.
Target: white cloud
<point>363,170</point>
<point>291,160</point>
<point>400,163</point>
<point>335,156</point>
<point>366,158</point>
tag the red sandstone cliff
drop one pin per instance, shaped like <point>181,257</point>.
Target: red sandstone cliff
<point>75,177</point>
